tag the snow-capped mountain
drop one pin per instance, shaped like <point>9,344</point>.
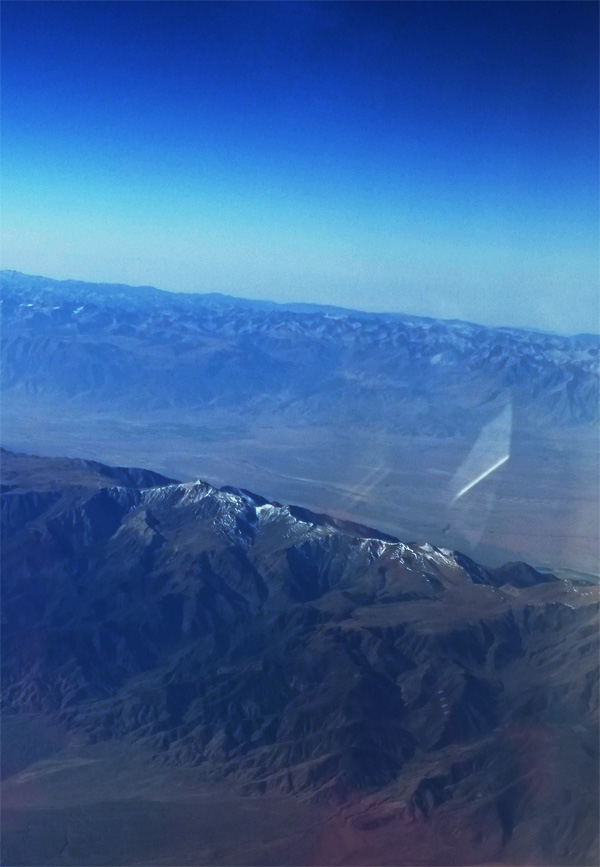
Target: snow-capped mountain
<point>277,649</point>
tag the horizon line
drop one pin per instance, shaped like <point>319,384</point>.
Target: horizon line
<point>304,304</point>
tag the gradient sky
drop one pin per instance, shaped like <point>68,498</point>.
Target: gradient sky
<point>434,158</point>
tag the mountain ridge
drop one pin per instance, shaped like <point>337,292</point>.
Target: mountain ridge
<point>342,413</point>
<point>21,475</point>
<point>109,289</point>
<point>275,650</point>
<point>185,352</point>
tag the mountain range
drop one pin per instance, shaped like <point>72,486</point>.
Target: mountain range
<point>146,349</point>
<point>372,417</point>
<point>403,703</point>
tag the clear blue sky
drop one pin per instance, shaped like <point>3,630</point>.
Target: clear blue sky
<point>436,158</point>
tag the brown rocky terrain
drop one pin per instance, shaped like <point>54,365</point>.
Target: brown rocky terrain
<point>405,704</point>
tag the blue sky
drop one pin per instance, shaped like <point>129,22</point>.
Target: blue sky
<point>434,158</point>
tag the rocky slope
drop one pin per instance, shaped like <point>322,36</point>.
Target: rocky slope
<point>289,651</point>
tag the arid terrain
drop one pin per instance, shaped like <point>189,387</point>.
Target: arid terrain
<point>377,418</point>
<point>300,426</point>
<point>202,676</point>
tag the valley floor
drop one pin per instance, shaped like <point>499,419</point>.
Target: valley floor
<point>541,506</point>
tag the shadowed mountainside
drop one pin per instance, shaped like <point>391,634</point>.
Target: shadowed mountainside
<point>279,650</point>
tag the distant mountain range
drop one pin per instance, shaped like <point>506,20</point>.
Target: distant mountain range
<point>276,649</point>
<point>144,349</point>
<point>373,416</point>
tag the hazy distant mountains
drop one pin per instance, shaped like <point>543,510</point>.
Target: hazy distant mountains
<point>277,649</point>
<point>374,417</point>
<point>143,349</point>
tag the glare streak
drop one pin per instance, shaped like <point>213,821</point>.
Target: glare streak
<point>481,477</point>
